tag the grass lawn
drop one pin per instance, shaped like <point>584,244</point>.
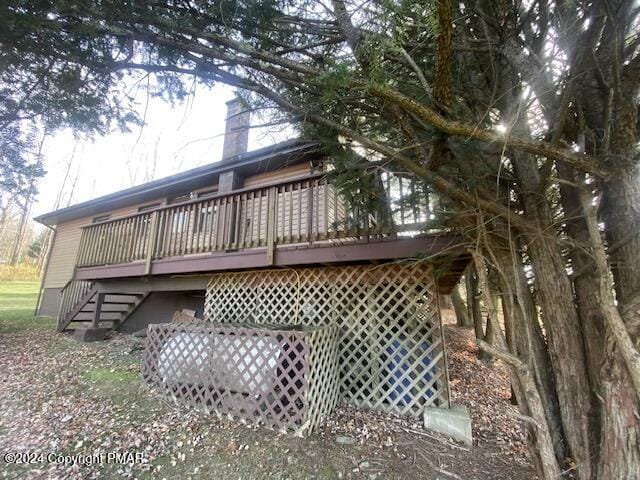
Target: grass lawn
<point>17,304</point>
<point>73,400</point>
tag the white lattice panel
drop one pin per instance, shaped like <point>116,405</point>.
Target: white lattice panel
<point>391,346</point>
<point>286,379</point>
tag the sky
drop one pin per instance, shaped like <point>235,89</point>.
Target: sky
<point>173,139</point>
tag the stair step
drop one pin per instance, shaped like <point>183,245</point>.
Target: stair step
<point>115,308</point>
<point>126,295</point>
<point>116,301</point>
<point>88,323</point>
<point>107,307</point>
<point>84,317</point>
<point>111,302</point>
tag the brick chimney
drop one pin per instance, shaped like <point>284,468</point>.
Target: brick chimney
<point>236,134</point>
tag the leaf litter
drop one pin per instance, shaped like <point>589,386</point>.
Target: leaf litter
<point>67,398</point>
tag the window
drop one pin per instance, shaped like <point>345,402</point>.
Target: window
<point>208,193</point>
<point>148,207</point>
<point>178,217</point>
<point>101,218</point>
<point>146,219</point>
<point>185,197</point>
<point>178,222</point>
<point>205,217</point>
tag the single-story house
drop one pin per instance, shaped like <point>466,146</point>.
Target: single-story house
<point>263,238</point>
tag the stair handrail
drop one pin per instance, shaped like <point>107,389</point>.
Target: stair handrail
<point>72,293</point>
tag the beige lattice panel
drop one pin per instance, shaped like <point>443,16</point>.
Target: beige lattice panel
<point>391,348</point>
<point>285,379</point>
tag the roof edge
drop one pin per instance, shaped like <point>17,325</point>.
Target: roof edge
<point>253,156</point>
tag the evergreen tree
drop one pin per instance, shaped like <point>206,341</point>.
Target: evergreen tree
<point>522,116</point>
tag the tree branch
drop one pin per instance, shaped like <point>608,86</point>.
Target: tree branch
<point>583,163</point>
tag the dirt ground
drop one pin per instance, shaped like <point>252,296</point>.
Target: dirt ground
<point>67,399</point>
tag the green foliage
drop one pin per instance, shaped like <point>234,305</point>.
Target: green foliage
<point>34,250</point>
<point>411,19</point>
<point>25,272</point>
<point>335,79</point>
<point>20,163</point>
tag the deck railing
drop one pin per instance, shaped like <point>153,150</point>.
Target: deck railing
<point>72,293</point>
<point>305,210</point>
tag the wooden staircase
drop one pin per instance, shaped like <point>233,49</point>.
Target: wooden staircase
<point>100,309</point>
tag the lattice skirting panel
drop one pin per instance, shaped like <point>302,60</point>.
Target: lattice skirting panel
<point>392,356</point>
<point>286,379</point>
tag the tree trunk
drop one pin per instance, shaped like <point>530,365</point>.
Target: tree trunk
<point>4,214</point>
<point>528,340</point>
<point>620,455</point>
<point>546,461</point>
<point>584,283</point>
<point>564,334</point>
<point>473,303</point>
<point>462,316</point>
<point>620,437</point>
<point>621,214</point>
<point>494,333</point>
<point>44,250</point>
<point>19,239</point>
<point>621,200</point>
<point>620,440</point>
<point>445,302</point>
<point>555,297</point>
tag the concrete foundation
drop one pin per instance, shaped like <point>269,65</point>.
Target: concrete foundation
<point>50,302</point>
<point>90,334</point>
<point>454,421</point>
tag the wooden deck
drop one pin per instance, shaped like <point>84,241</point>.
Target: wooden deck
<point>299,222</point>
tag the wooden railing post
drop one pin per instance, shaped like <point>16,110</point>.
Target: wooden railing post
<point>310,212</point>
<point>271,224</point>
<point>234,222</point>
<point>81,248</point>
<point>96,314</point>
<point>62,307</point>
<point>151,246</point>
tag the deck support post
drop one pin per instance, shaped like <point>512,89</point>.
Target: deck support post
<point>153,233</point>
<point>271,224</point>
<point>96,314</point>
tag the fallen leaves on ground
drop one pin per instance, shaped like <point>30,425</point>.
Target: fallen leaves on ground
<point>69,398</point>
<point>484,388</point>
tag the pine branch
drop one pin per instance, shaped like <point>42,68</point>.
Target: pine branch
<point>583,163</point>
